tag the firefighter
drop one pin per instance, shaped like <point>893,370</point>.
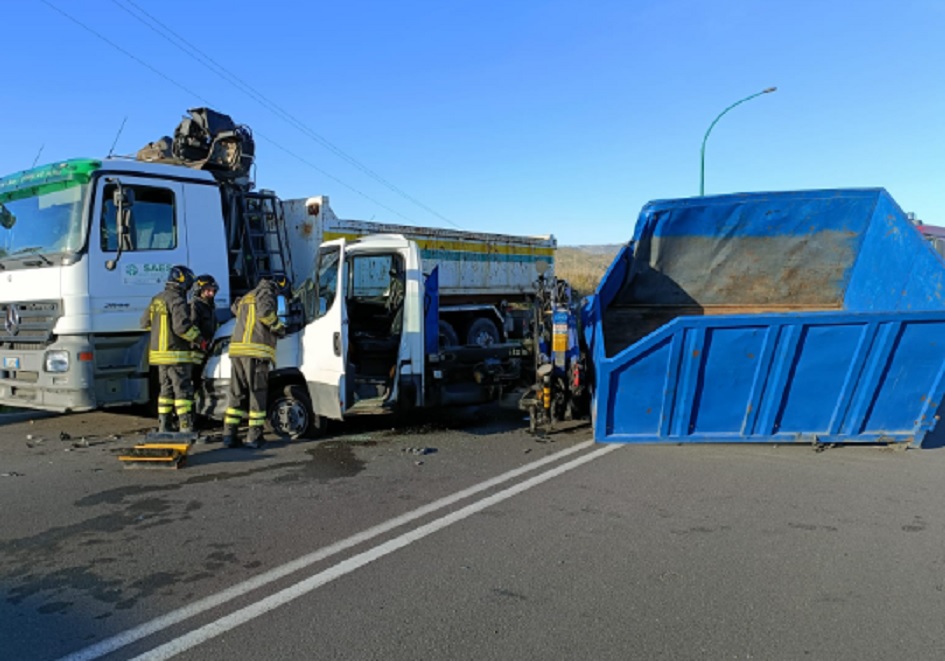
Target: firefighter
<point>203,311</point>
<point>203,307</point>
<point>173,336</point>
<point>252,352</point>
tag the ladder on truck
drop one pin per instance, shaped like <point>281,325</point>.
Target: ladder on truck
<point>258,247</point>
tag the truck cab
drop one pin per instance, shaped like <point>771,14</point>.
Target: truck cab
<point>84,245</point>
<point>370,297</point>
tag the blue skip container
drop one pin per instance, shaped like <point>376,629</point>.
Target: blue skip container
<point>803,316</point>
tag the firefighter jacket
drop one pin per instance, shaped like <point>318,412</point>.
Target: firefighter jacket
<point>172,331</point>
<point>258,326</point>
<point>204,315</point>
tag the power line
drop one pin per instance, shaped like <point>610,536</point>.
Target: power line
<point>208,103</point>
<point>208,62</point>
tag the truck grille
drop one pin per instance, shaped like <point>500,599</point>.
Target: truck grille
<point>28,325</point>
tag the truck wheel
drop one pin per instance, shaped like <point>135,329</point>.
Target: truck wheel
<point>483,332</point>
<point>448,336</point>
<point>290,414</point>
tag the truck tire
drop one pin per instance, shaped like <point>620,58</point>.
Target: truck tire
<point>483,332</point>
<point>290,414</point>
<point>448,336</point>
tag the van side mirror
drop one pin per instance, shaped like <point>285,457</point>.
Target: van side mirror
<point>282,308</point>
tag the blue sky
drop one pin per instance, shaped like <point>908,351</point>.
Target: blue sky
<point>528,117</point>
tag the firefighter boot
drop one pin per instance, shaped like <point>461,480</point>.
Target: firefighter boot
<point>256,440</point>
<point>186,421</point>
<point>230,439</point>
<point>165,423</point>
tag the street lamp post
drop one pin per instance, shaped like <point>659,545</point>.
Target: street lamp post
<point>712,125</point>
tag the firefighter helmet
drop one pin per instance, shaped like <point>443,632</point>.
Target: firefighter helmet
<point>206,281</point>
<point>182,276</point>
<point>281,281</point>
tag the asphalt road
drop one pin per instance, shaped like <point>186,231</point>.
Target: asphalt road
<point>466,538</point>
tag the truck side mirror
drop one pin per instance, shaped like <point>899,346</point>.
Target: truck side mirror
<point>7,219</point>
<point>123,199</point>
<point>124,218</point>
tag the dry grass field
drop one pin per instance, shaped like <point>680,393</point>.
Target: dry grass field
<point>583,266</point>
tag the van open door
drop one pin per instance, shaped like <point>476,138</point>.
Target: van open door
<point>324,350</point>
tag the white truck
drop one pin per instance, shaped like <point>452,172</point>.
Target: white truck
<point>355,353</point>
<point>86,243</point>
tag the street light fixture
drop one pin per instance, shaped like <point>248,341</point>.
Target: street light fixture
<point>712,125</point>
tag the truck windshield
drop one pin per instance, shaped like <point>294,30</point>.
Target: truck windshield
<point>48,223</point>
<point>42,210</point>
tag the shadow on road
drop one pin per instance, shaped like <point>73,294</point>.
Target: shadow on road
<point>935,439</point>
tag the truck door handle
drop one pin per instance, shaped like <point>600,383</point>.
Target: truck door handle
<point>336,343</point>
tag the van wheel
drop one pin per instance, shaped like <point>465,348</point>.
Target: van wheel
<point>290,414</point>
<point>448,336</point>
<point>483,332</point>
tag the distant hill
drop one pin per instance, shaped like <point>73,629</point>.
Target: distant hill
<point>583,266</point>
<point>605,249</point>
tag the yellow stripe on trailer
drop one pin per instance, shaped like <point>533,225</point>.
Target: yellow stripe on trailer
<point>483,247</point>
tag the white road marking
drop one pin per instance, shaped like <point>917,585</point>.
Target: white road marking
<point>189,611</point>
<point>263,606</point>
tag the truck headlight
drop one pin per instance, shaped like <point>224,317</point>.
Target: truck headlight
<point>56,361</point>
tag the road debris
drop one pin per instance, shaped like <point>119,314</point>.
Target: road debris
<point>420,450</point>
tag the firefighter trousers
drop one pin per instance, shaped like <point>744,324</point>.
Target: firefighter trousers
<point>177,389</point>
<point>249,382</point>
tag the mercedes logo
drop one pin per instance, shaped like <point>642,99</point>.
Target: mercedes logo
<point>12,321</point>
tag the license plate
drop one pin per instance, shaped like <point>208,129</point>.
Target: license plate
<point>11,363</point>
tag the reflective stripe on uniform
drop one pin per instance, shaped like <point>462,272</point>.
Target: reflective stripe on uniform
<point>257,418</point>
<point>249,301</point>
<point>165,405</point>
<point>233,416</point>
<point>252,350</point>
<point>169,357</point>
<point>183,405</point>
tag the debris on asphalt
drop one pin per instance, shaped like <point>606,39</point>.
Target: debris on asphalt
<point>420,450</point>
<point>11,474</point>
<point>63,436</point>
